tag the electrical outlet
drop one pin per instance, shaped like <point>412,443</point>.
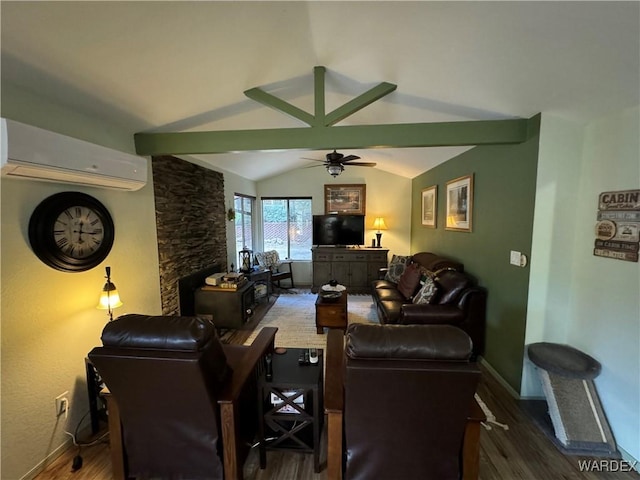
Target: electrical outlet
<point>62,403</point>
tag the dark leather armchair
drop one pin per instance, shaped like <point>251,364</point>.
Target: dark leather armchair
<point>186,402</point>
<point>402,397</point>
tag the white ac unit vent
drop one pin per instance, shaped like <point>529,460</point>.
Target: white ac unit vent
<point>36,154</point>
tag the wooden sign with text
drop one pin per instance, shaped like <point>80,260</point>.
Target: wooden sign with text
<point>618,225</point>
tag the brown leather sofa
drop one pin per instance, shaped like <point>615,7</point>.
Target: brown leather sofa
<point>181,404</point>
<point>459,301</point>
<point>402,396</point>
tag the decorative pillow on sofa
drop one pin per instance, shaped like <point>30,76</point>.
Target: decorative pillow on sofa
<point>409,281</point>
<point>427,292</point>
<point>396,267</point>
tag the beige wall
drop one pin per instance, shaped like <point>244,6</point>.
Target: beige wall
<point>387,195</point>
<point>49,319</point>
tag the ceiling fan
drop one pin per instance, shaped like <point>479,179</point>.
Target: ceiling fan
<point>336,162</point>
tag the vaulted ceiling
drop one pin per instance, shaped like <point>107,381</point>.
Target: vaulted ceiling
<point>183,66</point>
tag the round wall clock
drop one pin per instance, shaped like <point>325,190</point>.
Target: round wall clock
<point>71,231</point>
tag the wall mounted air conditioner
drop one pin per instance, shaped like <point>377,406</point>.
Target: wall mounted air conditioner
<point>33,153</point>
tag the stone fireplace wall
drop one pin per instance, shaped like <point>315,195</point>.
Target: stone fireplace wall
<point>190,223</point>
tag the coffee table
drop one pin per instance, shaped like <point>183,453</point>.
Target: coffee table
<point>291,406</point>
<point>331,312</point>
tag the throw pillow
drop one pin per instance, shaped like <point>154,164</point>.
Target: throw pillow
<point>409,281</point>
<point>397,267</point>
<point>427,292</point>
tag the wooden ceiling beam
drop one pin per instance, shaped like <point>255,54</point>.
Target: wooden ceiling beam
<point>320,119</point>
<point>276,103</point>
<point>319,97</point>
<point>321,134</point>
<point>359,102</point>
<point>339,137</point>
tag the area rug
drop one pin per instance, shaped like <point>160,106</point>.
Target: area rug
<point>295,317</point>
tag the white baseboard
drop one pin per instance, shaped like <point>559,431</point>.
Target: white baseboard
<point>53,456</point>
<point>48,460</point>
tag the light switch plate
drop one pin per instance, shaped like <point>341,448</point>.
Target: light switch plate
<point>518,259</point>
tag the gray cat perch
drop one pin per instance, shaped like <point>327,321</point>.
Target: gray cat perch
<point>579,422</point>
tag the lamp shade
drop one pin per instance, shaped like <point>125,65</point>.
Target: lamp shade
<point>379,224</point>
<point>109,298</point>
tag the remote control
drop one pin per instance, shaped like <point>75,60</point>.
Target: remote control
<point>301,358</point>
<point>269,373</point>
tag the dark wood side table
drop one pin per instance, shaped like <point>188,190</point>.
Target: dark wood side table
<point>229,308</point>
<point>297,389</point>
<point>97,405</point>
<point>331,313</point>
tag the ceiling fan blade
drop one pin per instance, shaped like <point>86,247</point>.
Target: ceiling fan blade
<point>349,158</point>
<point>361,164</point>
<point>313,159</point>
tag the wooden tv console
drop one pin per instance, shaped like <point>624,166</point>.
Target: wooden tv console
<point>355,268</point>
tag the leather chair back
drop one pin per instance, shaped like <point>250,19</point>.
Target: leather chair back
<point>164,373</point>
<point>408,393</point>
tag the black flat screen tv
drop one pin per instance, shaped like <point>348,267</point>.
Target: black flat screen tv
<point>339,230</point>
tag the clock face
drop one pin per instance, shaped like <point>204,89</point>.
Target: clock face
<point>78,231</point>
<point>71,231</point>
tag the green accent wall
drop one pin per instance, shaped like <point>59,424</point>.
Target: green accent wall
<point>503,208</point>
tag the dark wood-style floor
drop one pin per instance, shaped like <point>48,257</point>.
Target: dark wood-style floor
<point>522,452</point>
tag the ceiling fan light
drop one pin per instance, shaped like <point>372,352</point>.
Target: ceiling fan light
<point>335,170</point>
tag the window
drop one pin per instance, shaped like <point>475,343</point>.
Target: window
<point>287,225</point>
<point>243,206</point>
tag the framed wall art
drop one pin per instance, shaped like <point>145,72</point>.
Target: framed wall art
<point>429,206</point>
<point>460,204</point>
<point>346,199</point>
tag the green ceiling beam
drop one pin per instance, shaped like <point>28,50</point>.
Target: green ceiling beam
<point>321,135</point>
<point>345,137</point>
<point>272,101</point>
<point>318,82</point>
<point>359,102</point>
<point>320,119</point>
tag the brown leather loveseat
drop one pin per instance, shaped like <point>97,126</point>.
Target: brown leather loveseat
<point>456,298</point>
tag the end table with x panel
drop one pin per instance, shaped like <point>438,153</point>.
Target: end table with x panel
<point>290,405</point>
